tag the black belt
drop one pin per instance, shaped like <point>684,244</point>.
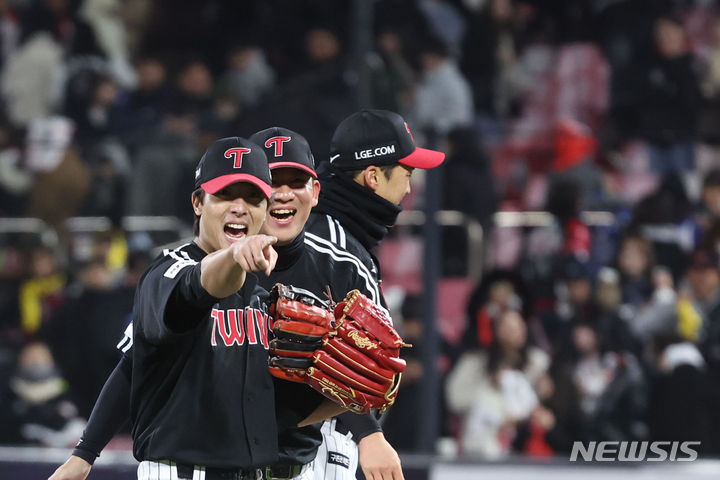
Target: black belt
<point>340,427</point>
<point>284,471</point>
<point>186,472</point>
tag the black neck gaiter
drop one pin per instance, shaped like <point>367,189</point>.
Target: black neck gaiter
<point>366,215</point>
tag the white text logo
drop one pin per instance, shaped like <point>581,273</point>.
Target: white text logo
<point>634,451</point>
<point>377,152</point>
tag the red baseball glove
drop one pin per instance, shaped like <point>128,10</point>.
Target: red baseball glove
<point>352,356</point>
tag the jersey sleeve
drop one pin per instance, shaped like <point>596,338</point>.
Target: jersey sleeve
<point>111,411</point>
<point>170,300</point>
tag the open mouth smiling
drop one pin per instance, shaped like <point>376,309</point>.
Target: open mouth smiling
<point>235,230</point>
<point>283,215</point>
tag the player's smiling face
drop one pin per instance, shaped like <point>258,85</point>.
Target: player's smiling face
<point>232,213</point>
<point>295,193</point>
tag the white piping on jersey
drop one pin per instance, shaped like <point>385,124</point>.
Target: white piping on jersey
<point>331,226</point>
<point>341,232</point>
<point>127,341</point>
<point>183,260</point>
<point>344,256</point>
<point>166,251</point>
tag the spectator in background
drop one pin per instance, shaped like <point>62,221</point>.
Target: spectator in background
<point>443,99</point>
<point>635,262</point>
<point>142,112</point>
<point>659,315</point>
<point>709,116</point>
<point>98,307</point>
<point>40,408</point>
<point>109,167</point>
<point>161,164</point>
<point>248,77</point>
<point>611,387</point>
<point>681,396</point>
<point>194,88</point>
<point>392,76</point>
<point>470,189</point>
<point>446,23</point>
<point>30,80</point>
<point>669,102</point>
<point>573,301</point>
<point>612,319</point>
<point>108,29</point>
<point>325,61</point>
<point>665,218</point>
<point>90,101</point>
<point>41,293</point>
<point>62,178</point>
<point>497,292</point>
<point>493,391</point>
<point>565,202</point>
<point>490,52</point>
<point>574,147</point>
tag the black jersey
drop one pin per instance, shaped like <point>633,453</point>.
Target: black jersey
<point>313,264</point>
<point>324,226</point>
<point>201,393</point>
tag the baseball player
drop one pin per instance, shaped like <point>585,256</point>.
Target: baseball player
<point>312,263</point>
<point>372,156</point>
<point>201,399</point>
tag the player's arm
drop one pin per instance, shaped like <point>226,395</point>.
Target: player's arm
<point>378,459</point>
<point>192,291</point>
<point>326,409</point>
<point>223,272</point>
<point>111,411</point>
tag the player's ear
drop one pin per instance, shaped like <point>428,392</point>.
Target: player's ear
<point>370,177</point>
<point>316,192</point>
<point>196,198</point>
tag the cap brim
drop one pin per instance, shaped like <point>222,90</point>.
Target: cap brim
<point>423,158</point>
<point>299,166</point>
<point>216,184</point>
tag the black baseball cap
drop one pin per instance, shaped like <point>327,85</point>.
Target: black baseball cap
<point>230,160</point>
<point>378,137</point>
<point>285,148</point>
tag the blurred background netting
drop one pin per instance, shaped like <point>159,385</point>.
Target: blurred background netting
<point>578,296</point>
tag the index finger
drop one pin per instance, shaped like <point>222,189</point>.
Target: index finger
<point>266,240</point>
<point>271,257</point>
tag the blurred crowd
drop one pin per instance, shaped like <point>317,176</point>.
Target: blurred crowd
<point>583,328</point>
